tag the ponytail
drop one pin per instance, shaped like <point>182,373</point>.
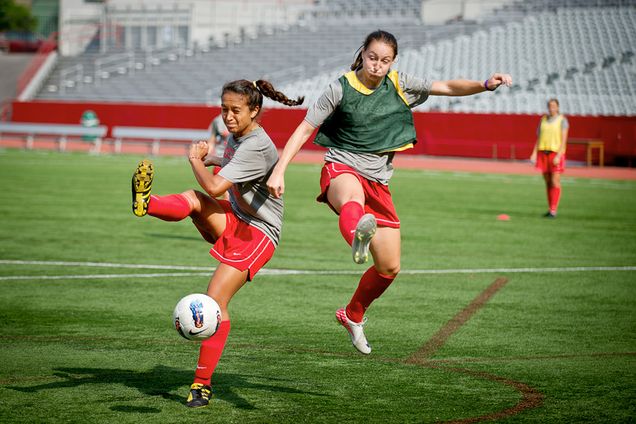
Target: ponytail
<point>255,90</point>
<point>267,89</point>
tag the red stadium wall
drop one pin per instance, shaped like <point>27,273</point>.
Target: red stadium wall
<point>439,134</point>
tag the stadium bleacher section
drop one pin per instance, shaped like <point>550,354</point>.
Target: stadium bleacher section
<point>581,51</point>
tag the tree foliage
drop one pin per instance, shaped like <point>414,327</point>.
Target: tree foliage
<point>15,17</point>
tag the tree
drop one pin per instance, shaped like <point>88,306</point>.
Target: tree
<point>15,17</point>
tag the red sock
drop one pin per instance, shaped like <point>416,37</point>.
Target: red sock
<point>554,197</point>
<point>350,214</point>
<point>210,353</point>
<point>371,286</point>
<point>173,207</point>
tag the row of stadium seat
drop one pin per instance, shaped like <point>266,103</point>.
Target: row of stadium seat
<point>564,52</point>
<point>547,54</point>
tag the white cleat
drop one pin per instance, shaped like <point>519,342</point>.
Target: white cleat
<point>365,230</point>
<point>355,330</point>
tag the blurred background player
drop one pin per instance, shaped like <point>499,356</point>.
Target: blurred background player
<point>548,154</point>
<point>246,229</point>
<point>219,136</point>
<point>364,118</point>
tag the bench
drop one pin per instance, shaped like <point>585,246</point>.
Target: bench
<point>590,145</point>
<point>157,135</point>
<point>62,131</point>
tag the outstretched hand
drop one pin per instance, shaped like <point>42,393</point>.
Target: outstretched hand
<point>497,80</point>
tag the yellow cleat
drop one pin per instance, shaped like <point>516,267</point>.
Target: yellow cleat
<point>199,396</point>
<point>141,185</point>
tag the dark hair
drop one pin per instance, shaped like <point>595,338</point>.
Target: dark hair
<point>555,100</point>
<point>379,35</point>
<point>255,90</point>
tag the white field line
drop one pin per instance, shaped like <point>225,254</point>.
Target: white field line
<point>108,265</point>
<point>274,271</point>
<point>102,276</point>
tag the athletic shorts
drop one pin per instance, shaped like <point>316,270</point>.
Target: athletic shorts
<point>242,246</point>
<point>545,162</point>
<point>377,197</point>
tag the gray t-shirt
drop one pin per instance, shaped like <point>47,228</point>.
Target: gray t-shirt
<point>247,163</point>
<point>372,166</point>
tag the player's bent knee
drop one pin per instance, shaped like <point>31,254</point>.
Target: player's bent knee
<point>191,197</point>
<point>389,270</point>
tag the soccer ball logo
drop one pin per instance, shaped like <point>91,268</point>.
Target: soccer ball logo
<point>197,313</point>
<point>197,317</point>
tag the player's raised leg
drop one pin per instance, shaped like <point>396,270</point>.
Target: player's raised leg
<point>346,196</point>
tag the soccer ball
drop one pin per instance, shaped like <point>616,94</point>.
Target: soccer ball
<point>197,317</point>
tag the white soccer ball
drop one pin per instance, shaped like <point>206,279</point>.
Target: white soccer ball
<point>197,317</point>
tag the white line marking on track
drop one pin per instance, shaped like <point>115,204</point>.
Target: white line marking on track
<point>272,271</point>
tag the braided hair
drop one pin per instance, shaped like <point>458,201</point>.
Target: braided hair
<point>379,35</point>
<point>255,90</point>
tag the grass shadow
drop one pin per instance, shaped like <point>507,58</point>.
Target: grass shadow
<point>163,381</point>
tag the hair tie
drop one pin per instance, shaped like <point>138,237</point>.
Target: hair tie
<point>254,84</point>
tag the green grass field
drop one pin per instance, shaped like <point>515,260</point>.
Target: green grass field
<point>86,343</point>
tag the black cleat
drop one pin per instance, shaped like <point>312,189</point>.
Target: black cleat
<point>550,215</point>
<point>199,396</point>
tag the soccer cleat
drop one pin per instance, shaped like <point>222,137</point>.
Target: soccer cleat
<point>355,330</point>
<point>365,230</point>
<point>550,214</point>
<point>199,396</point>
<point>141,185</point>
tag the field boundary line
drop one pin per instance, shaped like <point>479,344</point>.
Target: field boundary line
<point>286,271</point>
<point>105,265</point>
<point>103,276</point>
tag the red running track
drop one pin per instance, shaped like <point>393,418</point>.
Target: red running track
<point>485,166</point>
<point>401,160</point>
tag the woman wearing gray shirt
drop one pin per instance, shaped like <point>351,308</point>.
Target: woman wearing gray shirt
<point>245,229</point>
<point>364,118</point>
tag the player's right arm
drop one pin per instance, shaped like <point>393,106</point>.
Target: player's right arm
<point>276,181</point>
<point>316,115</point>
<point>533,156</point>
<point>214,185</point>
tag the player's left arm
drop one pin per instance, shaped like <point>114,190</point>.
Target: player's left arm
<point>214,185</point>
<point>464,87</point>
<point>564,144</point>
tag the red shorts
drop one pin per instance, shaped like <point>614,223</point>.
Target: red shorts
<point>545,162</point>
<point>377,197</point>
<point>242,246</point>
